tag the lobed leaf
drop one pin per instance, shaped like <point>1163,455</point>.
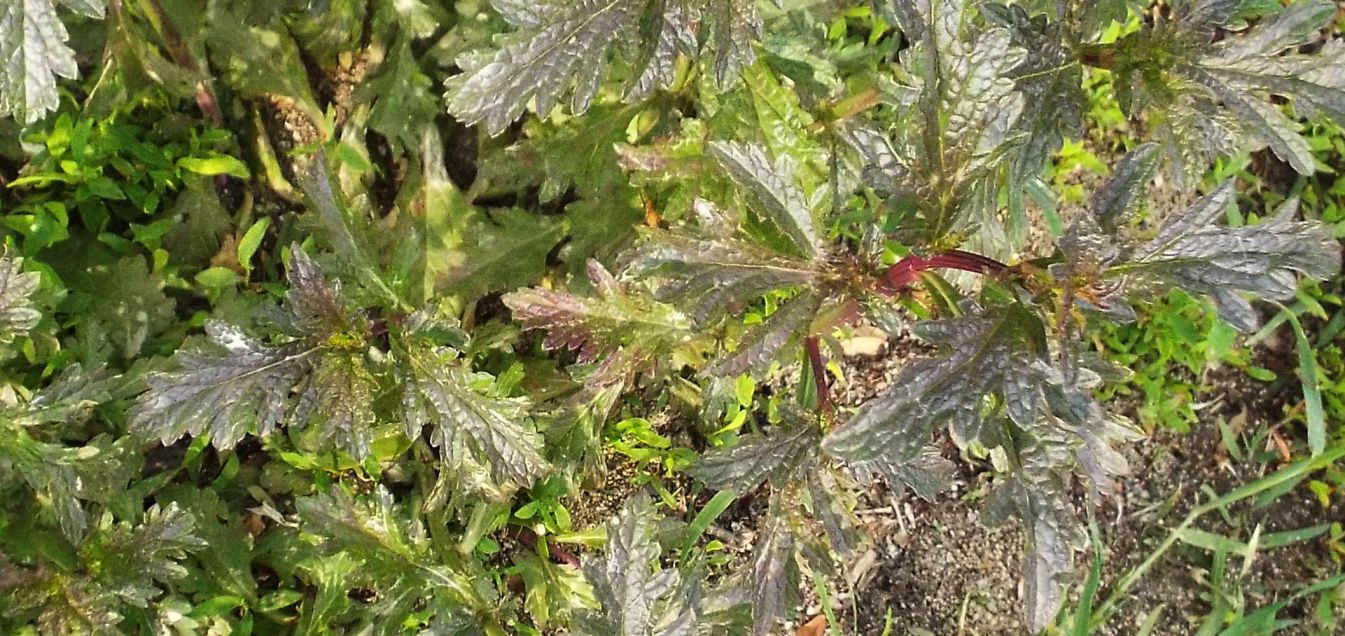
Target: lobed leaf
<point>960,111</point>
<point>712,273</point>
<point>1193,254</point>
<point>988,356</point>
<point>1218,100</point>
<point>776,457</point>
<point>17,314</point>
<point>775,572</point>
<point>562,49</point>
<point>597,325</point>
<point>230,383</point>
<point>387,554</point>
<point>437,391</point>
<point>636,597</point>
<point>34,51</point>
<point>769,185</point>
<point>223,386</point>
<point>762,343</point>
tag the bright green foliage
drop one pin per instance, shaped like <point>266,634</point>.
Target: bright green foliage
<point>464,276</point>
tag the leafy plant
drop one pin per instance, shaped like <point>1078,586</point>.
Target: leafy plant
<point>358,406</point>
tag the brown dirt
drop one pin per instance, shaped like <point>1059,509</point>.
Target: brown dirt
<point>934,568</point>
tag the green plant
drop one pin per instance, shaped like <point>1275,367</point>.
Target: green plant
<point>689,198</point>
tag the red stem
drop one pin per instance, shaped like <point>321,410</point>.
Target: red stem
<point>529,539</point>
<point>904,272</point>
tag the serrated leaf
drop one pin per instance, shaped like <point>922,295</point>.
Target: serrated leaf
<point>260,60</point>
<point>761,345</point>
<point>224,385</point>
<point>1037,496</point>
<point>989,354</point>
<point>401,102</point>
<point>781,202</point>
<point>636,597</point>
<point>1193,254</point>
<point>34,54</point>
<point>960,108</point>
<point>17,314</point>
<point>775,572</point>
<point>1120,199</point>
<point>134,560</point>
<point>563,48</point>
<point>230,383</point>
<point>1215,99</point>
<point>499,252</point>
<point>597,325</point>
<point>336,398</point>
<point>831,497</point>
<point>1050,80</point>
<point>227,565</point>
<point>775,456</point>
<point>715,273</point>
<point>116,306</point>
<point>562,55</point>
<point>392,559</point>
<point>437,391</point>
<point>553,592</point>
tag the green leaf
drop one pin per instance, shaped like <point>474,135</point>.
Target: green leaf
<point>635,597</point>
<point>134,561</point>
<point>1311,376</point>
<point>989,354</point>
<point>211,166</point>
<point>503,250</point>
<point>777,456</point>
<point>712,272</point>
<point>1215,99</point>
<point>771,186</point>
<point>373,542</point>
<point>117,304</point>
<point>1120,199</point>
<point>252,239</point>
<point>223,386</point>
<point>1033,496</point>
<point>437,391</point>
<point>561,49</point>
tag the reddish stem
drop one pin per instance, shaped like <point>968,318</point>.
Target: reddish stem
<point>904,272</point>
<point>529,538</point>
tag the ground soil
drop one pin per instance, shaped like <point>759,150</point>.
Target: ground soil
<point>934,568</point>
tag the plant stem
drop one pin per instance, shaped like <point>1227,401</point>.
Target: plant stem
<point>904,272</point>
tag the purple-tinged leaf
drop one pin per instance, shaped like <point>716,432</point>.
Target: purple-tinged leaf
<point>776,456</point>
<point>775,572</point>
<point>594,326</point>
<point>762,343</point>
